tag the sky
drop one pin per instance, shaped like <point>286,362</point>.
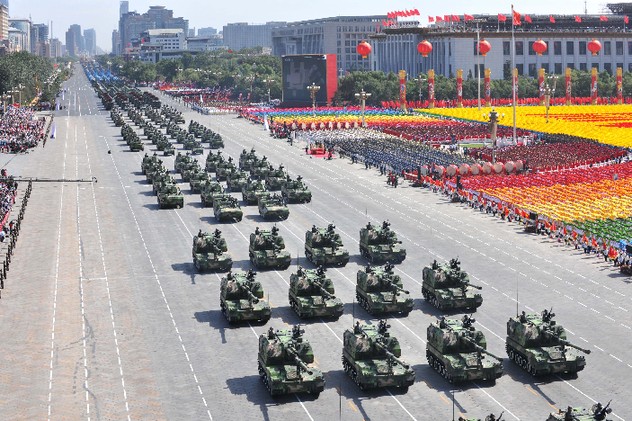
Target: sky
<point>102,15</point>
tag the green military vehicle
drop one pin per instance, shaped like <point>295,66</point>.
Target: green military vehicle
<point>246,159</point>
<point>199,179</point>
<point>161,180</point>
<point>209,252</point>
<point>260,168</point>
<point>447,287</point>
<point>241,298</point>
<point>210,191</point>
<point>323,246</point>
<point>311,294</point>
<point>284,363</point>
<point>252,191</point>
<point>236,180</point>
<point>169,196</point>
<point>189,169</point>
<point>275,178</point>
<point>295,191</point>
<point>166,147</point>
<point>266,250</point>
<point>194,145</point>
<point>538,344</point>
<point>224,168</point>
<point>458,351</point>
<point>371,357</point>
<point>135,144</point>
<point>181,161</point>
<point>490,417</point>
<point>597,412</point>
<point>273,208</point>
<point>380,291</point>
<point>214,139</point>
<point>380,245</point>
<point>213,160</point>
<point>149,161</point>
<point>226,209</point>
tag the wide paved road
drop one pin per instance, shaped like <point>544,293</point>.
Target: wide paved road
<point>104,316</point>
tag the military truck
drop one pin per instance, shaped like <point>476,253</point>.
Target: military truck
<point>538,344</point>
<point>380,245</point>
<point>241,298</point>
<point>209,252</point>
<point>311,294</point>
<point>371,357</point>
<point>284,363</point>
<point>295,191</point>
<point>236,180</point>
<point>458,351</point>
<point>209,192</point>
<point>597,412</point>
<point>275,178</point>
<point>379,291</point>
<point>169,196</point>
<point>272,207</point>
<point>266,249</point>
<point>323,246</point>
<point>252,191</point>
<point>226,209</point>
<point>448,287</point>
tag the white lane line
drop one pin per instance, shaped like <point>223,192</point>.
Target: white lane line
<point>153,268</point>
<point>107,284</point>
<point>56,280</point>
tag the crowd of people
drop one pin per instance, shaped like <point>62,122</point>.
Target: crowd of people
<point>20,130</point>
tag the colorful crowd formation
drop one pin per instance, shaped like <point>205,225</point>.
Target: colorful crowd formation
<point>577,172</point>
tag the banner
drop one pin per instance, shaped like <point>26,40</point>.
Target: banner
<point>541,84</point>
<point>568,86</point>
<point>459,88</point>
<point>619,85</point>
<point>431,88</point>
<point>593,86</point>
<point>402,89</point>
<point>514,84</point>
<point>488,87</point>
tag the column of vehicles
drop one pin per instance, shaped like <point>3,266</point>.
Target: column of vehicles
<point>371,356</point>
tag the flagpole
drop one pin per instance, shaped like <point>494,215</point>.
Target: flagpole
<point>514,82</point>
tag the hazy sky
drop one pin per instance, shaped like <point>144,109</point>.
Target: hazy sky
<point>102,15</point>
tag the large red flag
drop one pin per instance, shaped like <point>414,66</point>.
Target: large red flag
<point>603,18</point>
<point>446,18</point>
<point>578,19</point>
<point>439,19</point>
<point>527,18</point>
<point>516,18</point>
<point>456,18</point>
<point>468,17</point>
<point>501,17</point>
<point>552,19</point>
<point>626,20</point>
<point>430,19</point>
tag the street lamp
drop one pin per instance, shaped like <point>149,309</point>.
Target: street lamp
<point>313,90</point>
<point>549,90</point>
<point>20,87</point>
<point>420,81</point>
<point>493,128</point>
<point>268,82</point>
<point>362,96</point>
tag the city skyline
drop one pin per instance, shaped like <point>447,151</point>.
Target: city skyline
<point>102,15</point>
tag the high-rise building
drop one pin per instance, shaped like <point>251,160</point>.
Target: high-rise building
<point>123,8</point>
<point>4,20</point>
<point>336,35</point>
<point>90,41</point>
<point>24,25</point>
<point>132,24</point>
<point>39,39</point>
<point>206,32</point>
<point>56,48</point>
<point>240,35</point>
<point>74,41</point>
<point>116,42</point>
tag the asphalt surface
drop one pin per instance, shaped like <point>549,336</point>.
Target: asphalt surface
<point>104,316</point>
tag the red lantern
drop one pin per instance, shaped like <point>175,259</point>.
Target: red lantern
<point>364,49</point>
<point>484,47</point>
<point>424,48</point>
<point>594,47</point>
<point>539,47</point>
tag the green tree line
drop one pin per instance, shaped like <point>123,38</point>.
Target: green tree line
<point>32,73</point>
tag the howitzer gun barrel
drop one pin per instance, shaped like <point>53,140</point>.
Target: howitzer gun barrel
<point>391,355</point>
<point>395,286</point>
<point>483,350</point>
<point>323,290</point>
<point>572,345</point>
<point>474,286</point>
<point>299,362</point>
<point>249,293</point>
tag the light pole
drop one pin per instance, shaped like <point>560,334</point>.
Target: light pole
<point>548,91</point>
<point>362,96</point>
<point>20,87</point>
<point>313,90</point>
<point>420,81</point>
<point>268,82</point>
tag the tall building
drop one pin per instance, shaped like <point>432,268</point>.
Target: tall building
<point>74,41</point>
<point>24,25</point>
<point>39,37</point>
<point>4,20</point>
<point>116,42</point>
<point>206,32</point>
<point>123,8</point>
<point>132,24</point>
<point>56,48</point>
<point>238,36</point>
<point>455,48</point>
<point>336,35</point>
<point>90,42</point>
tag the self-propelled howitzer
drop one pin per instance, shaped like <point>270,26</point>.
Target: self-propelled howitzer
<point>241,298</point>
<point>448,287</point>
<point>284,358</point>
<point>371,357</point>
<point>537,344</point>
<point>379,290</point>
<point>311,294</point>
